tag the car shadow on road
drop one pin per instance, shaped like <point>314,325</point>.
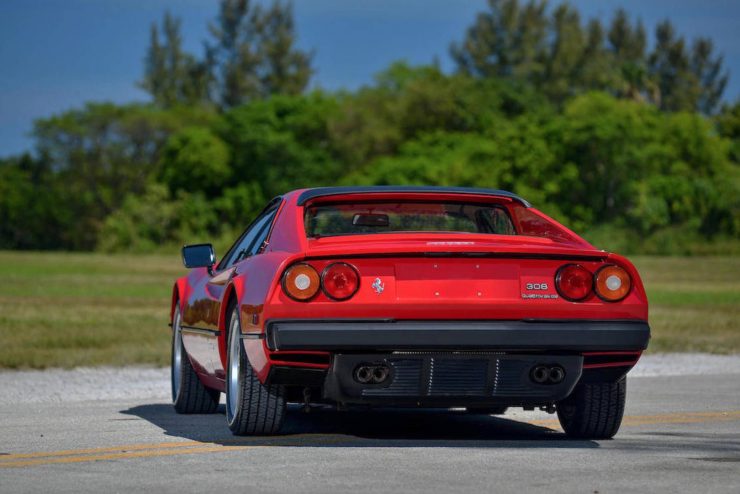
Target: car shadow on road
<point>326,427</point>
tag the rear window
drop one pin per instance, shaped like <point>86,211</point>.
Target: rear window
<point>391,217</point>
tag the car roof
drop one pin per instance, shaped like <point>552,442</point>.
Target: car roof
<point>310,194</point>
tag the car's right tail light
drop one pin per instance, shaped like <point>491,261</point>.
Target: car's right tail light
<point>574,282</point>
<point>612,283</point>
<point>301,282</point>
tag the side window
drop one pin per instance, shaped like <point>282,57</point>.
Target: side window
<point>261,236</point>
<point>250,241</point>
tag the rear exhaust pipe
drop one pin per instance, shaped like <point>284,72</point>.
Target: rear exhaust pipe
<point>371,374</point>
<point>380,374</point>
<point>547,374</point>
<point>557,374</point>
<point>540,374</point>
<point>363,374</point>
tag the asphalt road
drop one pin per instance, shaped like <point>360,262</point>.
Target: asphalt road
<point>680,434</point>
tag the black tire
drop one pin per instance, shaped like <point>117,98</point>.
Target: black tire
<point>593,411</point>
<point>189,395</point>
<point>500,410</point>
<point>257,409</point>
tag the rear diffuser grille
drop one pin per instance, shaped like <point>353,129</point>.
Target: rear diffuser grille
<point>439,376</point>
<point>457,377</point>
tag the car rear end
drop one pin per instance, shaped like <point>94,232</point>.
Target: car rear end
<point>449,301</point>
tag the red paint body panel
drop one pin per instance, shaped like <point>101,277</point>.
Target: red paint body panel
<point>426,276</point>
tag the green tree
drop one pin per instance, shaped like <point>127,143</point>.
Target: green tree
<point>627,44</point>
<point>156,218</point>
<point>282,142</point>
<point>566,54</point>
<point>284,69</point>
<point>32,212</point>
<point>254,50</point>
<point>669,65</point>
<point>102,153</point>
<point>409,101</point>
<point>195,159</point>
<point>728,126</point>
<point>687,79</point>
<point>709,72</point>
<point>595,70</point>
<point>172,76</point>
<point>506,40</point>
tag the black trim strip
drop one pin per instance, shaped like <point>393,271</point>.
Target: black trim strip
<point>203,331</point>
<point>384,189</point>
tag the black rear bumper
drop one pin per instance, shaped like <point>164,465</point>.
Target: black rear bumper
<point>528,335</point>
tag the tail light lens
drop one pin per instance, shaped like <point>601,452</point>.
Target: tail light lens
<point>301,282</point>
<point>340,281</point>
<point>574,282</point>
<point>612,283</point>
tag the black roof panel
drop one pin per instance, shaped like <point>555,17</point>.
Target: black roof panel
<point>309,194</point>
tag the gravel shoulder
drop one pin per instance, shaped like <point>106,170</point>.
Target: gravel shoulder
<point>125,383</point>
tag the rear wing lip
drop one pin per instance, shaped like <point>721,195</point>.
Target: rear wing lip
<point>318,192</point>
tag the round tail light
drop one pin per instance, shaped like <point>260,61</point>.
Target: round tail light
<point>574,282</point>
<point>340,281</point>
<point>301,282</point>
<point>612,283</point>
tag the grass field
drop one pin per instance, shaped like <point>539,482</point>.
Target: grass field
<point>67,310</point>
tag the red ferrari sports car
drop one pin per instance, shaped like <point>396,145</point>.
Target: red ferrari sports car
<point>440,297</point>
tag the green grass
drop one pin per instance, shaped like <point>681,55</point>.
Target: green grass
<point>67,310</point>
<point>694,303</point>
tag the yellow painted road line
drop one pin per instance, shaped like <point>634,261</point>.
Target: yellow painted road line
<point>123,455</point>
<point>667,418</point>
<point>150,450</point>
<point>146,450</point>
<point>168,445</point>
<point>123,449</point>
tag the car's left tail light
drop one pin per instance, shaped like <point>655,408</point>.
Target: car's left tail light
<point>340,281</point>
<point>612,283</point>
<point>301,282</point>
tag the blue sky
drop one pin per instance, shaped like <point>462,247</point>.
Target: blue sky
<point>57,54</point>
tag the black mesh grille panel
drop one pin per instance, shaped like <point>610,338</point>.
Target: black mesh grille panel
<point>457,377</point>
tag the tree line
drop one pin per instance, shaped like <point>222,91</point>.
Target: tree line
<point>632,146</point>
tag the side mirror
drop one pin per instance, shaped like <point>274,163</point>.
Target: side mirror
<point>198,256</point>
